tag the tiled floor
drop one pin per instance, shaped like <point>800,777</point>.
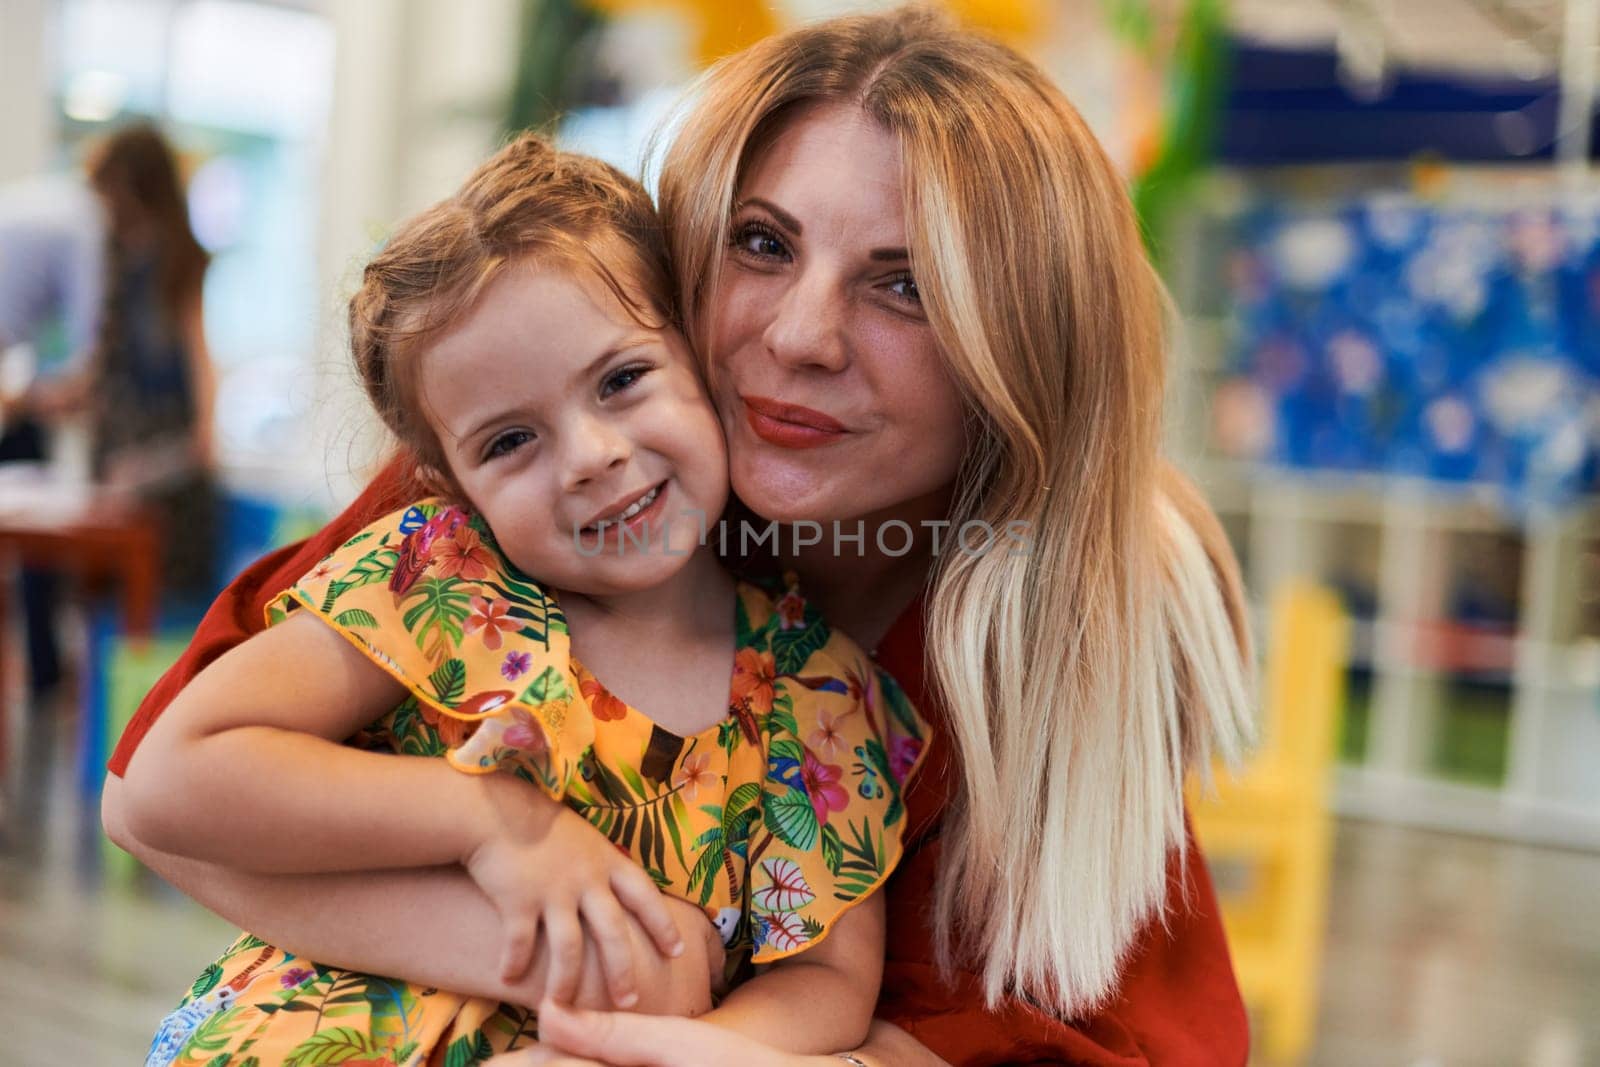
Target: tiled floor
<point>1442,951</point>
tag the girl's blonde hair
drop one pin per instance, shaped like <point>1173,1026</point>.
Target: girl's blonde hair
<point>528,201</point>
<point>1082,679</point>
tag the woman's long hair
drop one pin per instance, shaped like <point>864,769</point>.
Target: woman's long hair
<point>1082,679</point>
<point>136,175</point>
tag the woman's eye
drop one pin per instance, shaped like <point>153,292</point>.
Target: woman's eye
<point>618,380</point>
<point>760,240</point>
<point>508,443</point>
<point>905,287</point>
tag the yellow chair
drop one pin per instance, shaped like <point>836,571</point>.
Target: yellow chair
<point>1271,821</point>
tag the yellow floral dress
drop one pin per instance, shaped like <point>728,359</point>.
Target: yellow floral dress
<point>775,820</point>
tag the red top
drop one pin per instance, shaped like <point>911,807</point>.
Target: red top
<point>1179,1002</point>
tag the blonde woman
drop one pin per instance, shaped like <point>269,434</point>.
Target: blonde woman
<point>919,292</point>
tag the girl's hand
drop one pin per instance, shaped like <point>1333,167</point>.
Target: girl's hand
<point>570,1038</point>
<point>545,867</point>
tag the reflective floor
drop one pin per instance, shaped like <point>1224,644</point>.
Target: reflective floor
<point>1441,950</point>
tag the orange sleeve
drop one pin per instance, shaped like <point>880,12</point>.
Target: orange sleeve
<point>239,610</point>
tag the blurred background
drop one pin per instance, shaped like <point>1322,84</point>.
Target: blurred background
<point>1381,223</point>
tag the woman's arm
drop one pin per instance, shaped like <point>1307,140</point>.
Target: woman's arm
<point>436,928</point>
<point>585,1038</point>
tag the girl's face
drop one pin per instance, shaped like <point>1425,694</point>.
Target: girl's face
<point>584,439</point>
<point>832,392</point>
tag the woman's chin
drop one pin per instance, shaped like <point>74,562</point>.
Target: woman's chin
<point>781,490</point>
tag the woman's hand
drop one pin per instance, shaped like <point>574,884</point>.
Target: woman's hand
<point>550,870</point>
<point>570,1038</point>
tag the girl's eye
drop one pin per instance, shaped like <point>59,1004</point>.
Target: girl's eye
<point>905,287</point>
<point>508,443</point>
<point>621,379</point>
<point>760,240</point>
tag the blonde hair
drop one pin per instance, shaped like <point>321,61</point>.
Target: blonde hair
<point>528,201</point>
<point>1082,679</point>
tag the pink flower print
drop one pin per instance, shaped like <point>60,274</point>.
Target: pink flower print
<point>463,556</point>
<point>903,753</point>
<point>524,733</point>
<point>694,772</point>
<point>826,738</point>
<point>295,977</point>
<point>791,608</point>
<point>490,616</point>
<point>324,570</point>
<point>516,665</point>
<point>822,786</point>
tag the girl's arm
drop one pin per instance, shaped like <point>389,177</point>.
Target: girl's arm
<point>245,768</point>
<point>820,1000</point>
<point>450,935</point>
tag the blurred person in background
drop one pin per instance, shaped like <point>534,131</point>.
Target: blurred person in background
<point>149,390</point>
<point>52,274</point>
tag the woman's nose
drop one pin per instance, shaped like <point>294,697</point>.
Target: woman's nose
<point>595,449</point>
<point>807,327</point>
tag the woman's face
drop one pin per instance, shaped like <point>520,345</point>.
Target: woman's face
<point>833,395</point>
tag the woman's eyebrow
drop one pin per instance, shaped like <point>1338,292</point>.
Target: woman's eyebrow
<point>893,255</point>
<point>786,220</point>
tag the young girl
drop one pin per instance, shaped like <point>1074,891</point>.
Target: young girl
<point>519,338</point>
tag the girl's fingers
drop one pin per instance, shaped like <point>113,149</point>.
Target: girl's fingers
<point>608,926</point>
<point>638,893</point>
<point>563,935</point>
<point>521,936</point>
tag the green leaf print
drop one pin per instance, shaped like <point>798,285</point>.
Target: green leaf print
<point>832,849</point>
<point>449,682</point>
<point>330,1046</point>
<point>787,749</point>
<point>862,870</point>
<point>742,633</point>
<point>375,566</point>
<point>899,706</point>
<point>215,1032</point>
<point>791,648</point>
<point>442,605</point>
<point>874,767</point>
<point>207,981</point>
<point>791,819</point>
<point>468,1050</point>
<point>358,538</point>
<point>780,720</point>
<point>549,685</point>
<point>396,1010</point>
<point>221,1059</point>
<point>356,617</point>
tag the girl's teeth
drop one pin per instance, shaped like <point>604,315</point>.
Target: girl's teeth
<point>631,510</point>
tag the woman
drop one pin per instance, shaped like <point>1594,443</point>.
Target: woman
<point>150,390</point>
<point>1015,378</point>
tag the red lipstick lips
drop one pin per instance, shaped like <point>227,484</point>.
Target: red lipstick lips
<point>790,425</point>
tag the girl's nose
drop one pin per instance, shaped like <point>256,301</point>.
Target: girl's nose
<point>596,448</point>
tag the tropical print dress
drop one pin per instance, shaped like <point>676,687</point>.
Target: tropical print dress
<point>775,820</point>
